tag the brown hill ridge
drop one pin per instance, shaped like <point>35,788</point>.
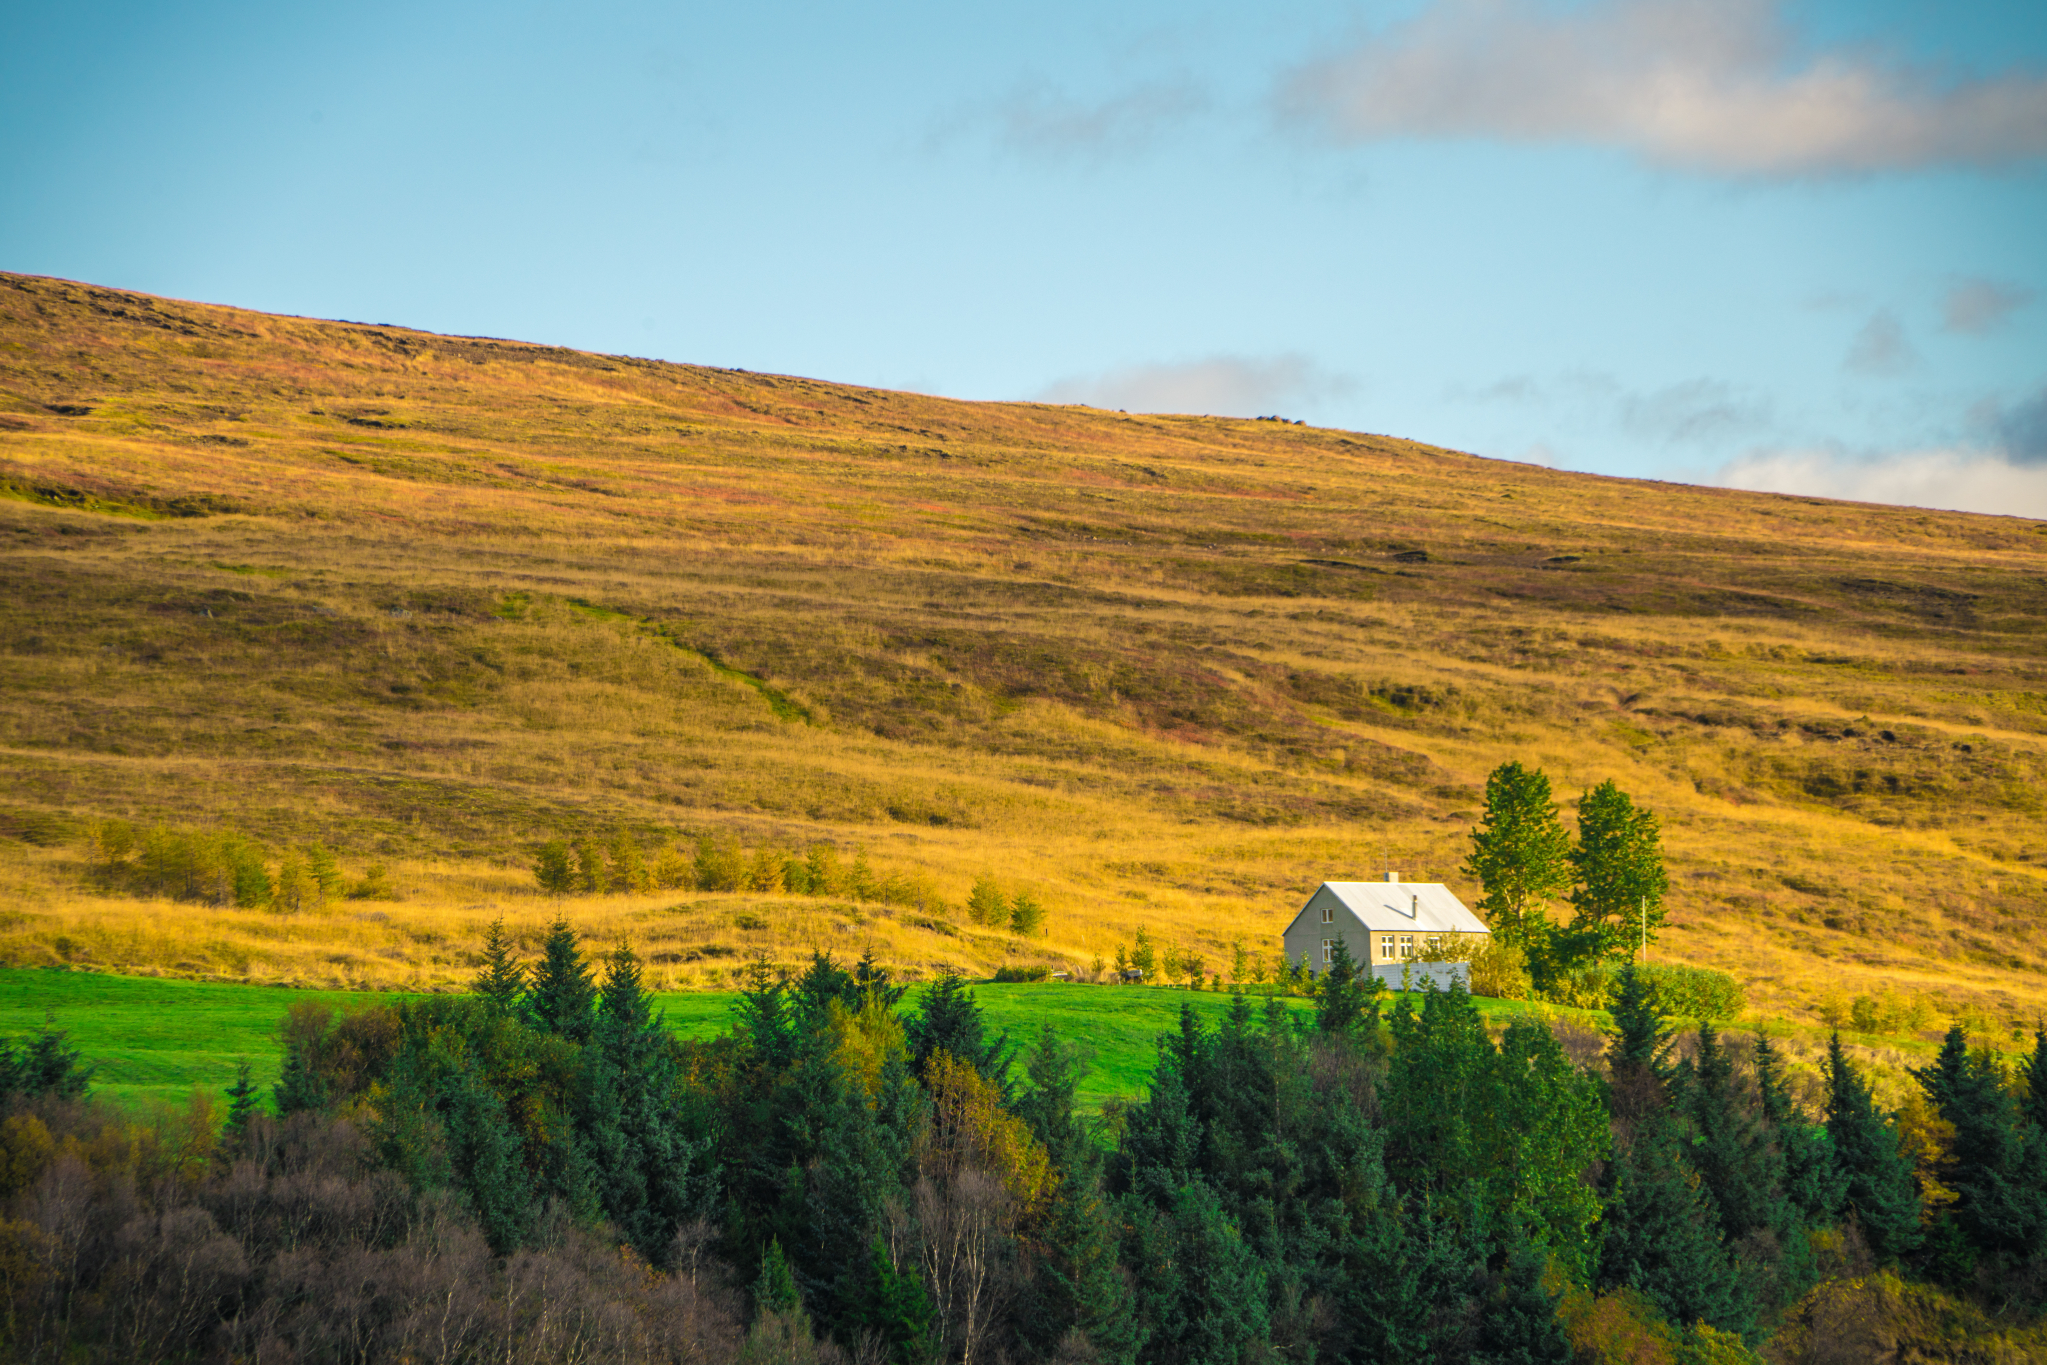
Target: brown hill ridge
<point>435,599</point>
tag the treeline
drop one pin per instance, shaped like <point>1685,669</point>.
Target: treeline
<point>853,1173</point>
<point>621,865</point>
<point>221,867</point>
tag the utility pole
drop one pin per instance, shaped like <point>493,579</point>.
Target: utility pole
<point>1642,914</point>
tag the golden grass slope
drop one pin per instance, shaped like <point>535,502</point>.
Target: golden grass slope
<point>436,599</point>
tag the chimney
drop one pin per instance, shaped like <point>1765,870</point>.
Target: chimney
<point>1392,876</point>
<point>1414,907</point>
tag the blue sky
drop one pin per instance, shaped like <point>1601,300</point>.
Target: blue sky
<point>1796,246</point>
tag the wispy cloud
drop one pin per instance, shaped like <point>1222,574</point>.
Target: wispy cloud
<point>1880,348</point>
<point>1041,120</point>
<point>1980,306</point>
<point>1234,386</point>
<point>1711,85</point>
<point>2022,430</point>
<point>1954,480</point>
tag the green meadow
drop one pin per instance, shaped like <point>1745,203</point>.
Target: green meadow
<point>155,1040</point>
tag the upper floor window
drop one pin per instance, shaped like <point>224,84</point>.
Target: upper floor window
<point>1386,947</point>
<point>1407,945</point>
<point>1329,914</point>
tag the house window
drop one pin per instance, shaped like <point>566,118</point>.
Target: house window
<point>1433,940</point>
<point>1329,914</point>
<point>1386,947</point>
<point>1407,945</point>
<point>1328,950</point>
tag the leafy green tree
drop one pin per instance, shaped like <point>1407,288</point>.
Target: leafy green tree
<point>1026,916</point>
<point>1618,867</point>
<point>1143,954</point>
<point>501,980</point>
<point>986,904</point>
<point>1520,856</point>
<point>1881,1190</point>
<point>561,997</point>
<point>553,869</point>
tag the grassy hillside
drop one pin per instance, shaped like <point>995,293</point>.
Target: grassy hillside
<point>434,600</point>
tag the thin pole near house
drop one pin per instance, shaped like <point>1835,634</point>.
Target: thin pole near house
<point>1642,913</point>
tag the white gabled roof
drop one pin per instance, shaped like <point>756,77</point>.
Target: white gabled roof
<point>1412,907</point>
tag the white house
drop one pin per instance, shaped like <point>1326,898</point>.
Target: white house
<point>1384,924</point>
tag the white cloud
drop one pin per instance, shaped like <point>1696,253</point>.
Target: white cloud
<point>1979,306</point>
<point>1233,386</point>
<point>1880,347</point>
<point>1954,480</point>
<point>1707,85</point>
<point>1697,412</point>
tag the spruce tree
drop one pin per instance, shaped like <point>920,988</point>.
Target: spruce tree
<point>501,979</point>
<point>1813,1179</point>
<point>1993,1169</point>
<point>2034,1071</point>
<point>775,1291</point>
<point>1662,1233</point>
<point>1520,856</point>
<point>1638,1048</point>
<point>1341,998</point>
<point>1881,1190</point>
<point>1618,869</point>
<point>891,1307</point>
<point>243,1097</point>
<point>948,1019</point>
<point>589,877</point>
<point>1731,1147</point>
<point>561,996</point>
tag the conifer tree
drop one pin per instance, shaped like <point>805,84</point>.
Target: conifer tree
<point>1341,999</point>
<point>561,996</point>
<point>1731,1148</point>
<point>645,1164</point>
<point>1618,868</point>
<point>775,1291</point>
<point>1813,1179</point>
<point>1520,856</point>
<point>1661,1233</point>
<point>1881,1190</point>
<point>948,1019</point>
<point>243,1097</point>
<point>501,979</point>
<point>893,1308</point>
<point>2034,1073</point>
<point>2001,1204</point>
